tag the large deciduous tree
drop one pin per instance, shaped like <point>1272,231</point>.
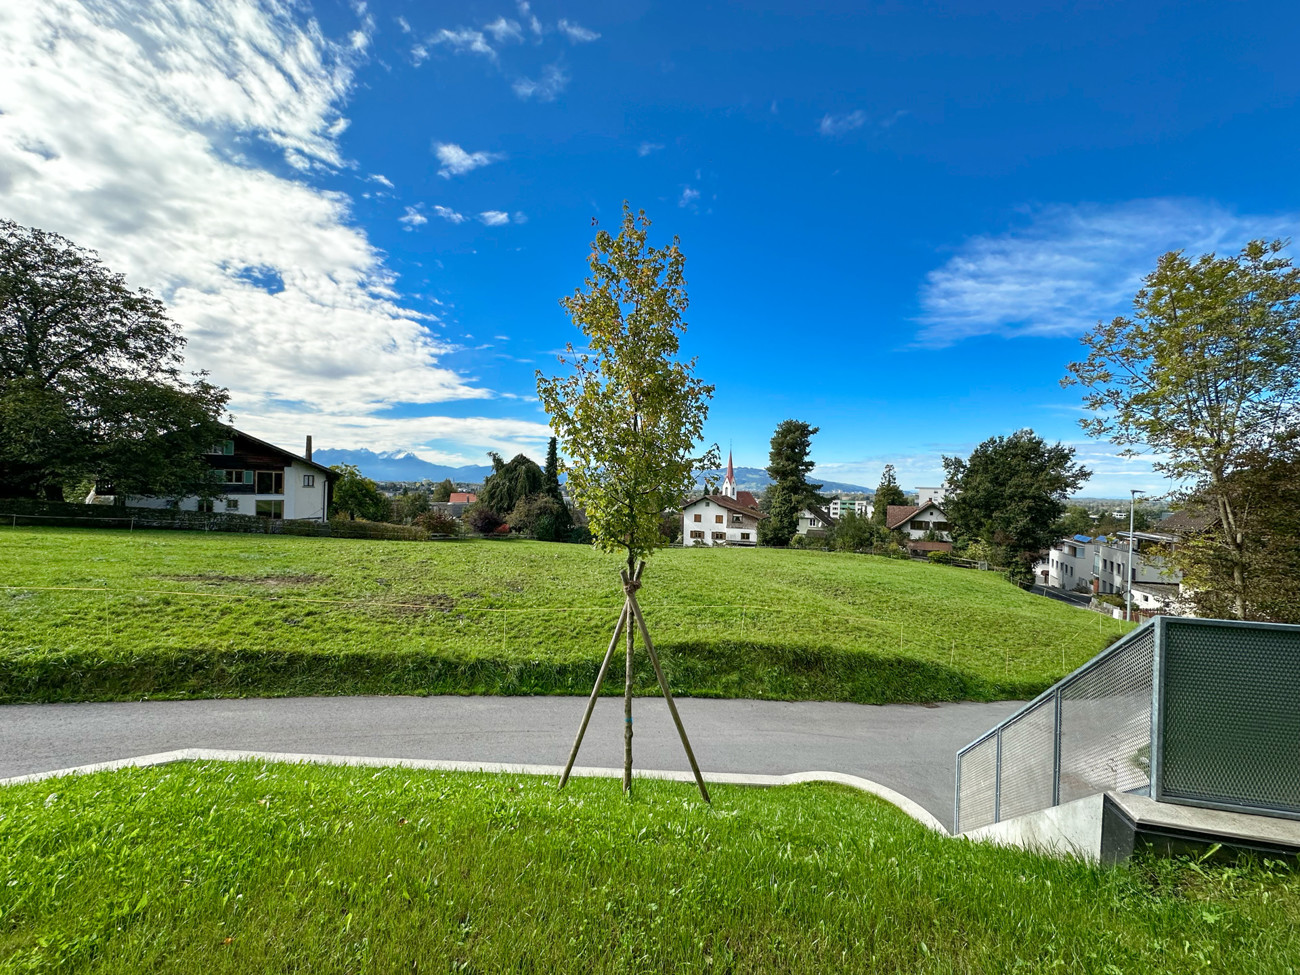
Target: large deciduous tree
<point>788,465</point>
<point>1206,374</point>
<point>510,482</point>
<point>91,384</point>
<point>1010,493</point>
<point>355,496</point>
<point>629,415</point>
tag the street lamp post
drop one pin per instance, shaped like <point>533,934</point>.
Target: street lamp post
<point>1128,598</point>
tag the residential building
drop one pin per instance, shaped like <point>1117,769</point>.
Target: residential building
<point>936,494</point>
<point>917,521</point>
<point>254,477</point>
<point>838,506</point>
<point>1069,564</point>
<point>461,497</point>
<point>729,517</point>
<point>815,521</point>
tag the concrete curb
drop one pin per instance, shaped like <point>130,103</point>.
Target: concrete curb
<point>913,809</point>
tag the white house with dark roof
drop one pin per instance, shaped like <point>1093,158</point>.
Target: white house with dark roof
<point>730,517</point>
<point>918,520</point>
<point>254,477</point>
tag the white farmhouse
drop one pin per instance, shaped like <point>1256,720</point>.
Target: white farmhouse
<point>257,478</point>
<point>918,520</point>
<point>730,517</point>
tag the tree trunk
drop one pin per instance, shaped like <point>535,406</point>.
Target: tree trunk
<point>627,715</point>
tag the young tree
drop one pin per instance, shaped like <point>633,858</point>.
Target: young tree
<point>357,496</point>
<point>888,492</point>
<point>1011,494</point>
<point>788,466</point>
<point>442,491</point>
<point>629,416</point>
<point>90,378</point>
<point>1205,374</point>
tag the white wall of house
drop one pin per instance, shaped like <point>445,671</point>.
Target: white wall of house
<point>305,493</point>
<point>1068,565</point>
<point>710,523</point>
<point>927,518</point>
<point>838,506</point>
<point>810,522</point>
<point>936,494</point>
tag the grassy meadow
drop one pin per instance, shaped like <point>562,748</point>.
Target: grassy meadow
<point>243,867</point>
<point>107,615</point>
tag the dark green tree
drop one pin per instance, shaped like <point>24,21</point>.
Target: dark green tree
<point>1010,493</point>
<point>1076,521</point>
<point>90,379</point>
<point>888,492</point>
<point>789,493</point>
<point>442,491</point>
<point>856,533</point>
<point>555,527</point>
<point>509,483</point>
<point>356,497</point>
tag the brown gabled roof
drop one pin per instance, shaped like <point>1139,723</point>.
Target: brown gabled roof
<point>898,515</point>
<point>747,499</point>
<point>822,514</point>
<point>1188,521</point>
<point>722,501</point>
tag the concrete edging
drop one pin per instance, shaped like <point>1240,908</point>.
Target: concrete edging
<point>910,807</point>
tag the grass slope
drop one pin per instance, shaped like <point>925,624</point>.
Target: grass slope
<point>253,868</point>
<point>97,615</point>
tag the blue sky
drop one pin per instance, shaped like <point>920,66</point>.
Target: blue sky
<point>898,218</point>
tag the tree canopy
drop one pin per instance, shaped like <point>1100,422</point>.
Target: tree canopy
<point>789,465</point>
<point>442,491</point>
<point>888,492</point>
<point>1010,493</point>
<point>510,482</point>
<point>630,412</point>
<point>91,382</point>
<point>356,496</point>
<point>1206,375</point>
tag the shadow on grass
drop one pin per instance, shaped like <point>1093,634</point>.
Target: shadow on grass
<point>724,669</point>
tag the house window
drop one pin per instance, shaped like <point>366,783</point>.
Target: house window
<point>737,520</point>
<point>697,534</point>
<point>205,506</point>
<point>744,536</point>
<point>270,482</point>
<point>719,536</point>
<point>698,519</point>
<point>309,480</point>
<point>717,519</point>
<point>270,509</point>
<point>222,447</point>
<point>232,504</point>
<point>239,477</point>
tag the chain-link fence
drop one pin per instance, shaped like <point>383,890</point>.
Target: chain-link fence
<point>1198,712</point>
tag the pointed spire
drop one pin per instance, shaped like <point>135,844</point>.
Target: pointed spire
<point>731,471</point>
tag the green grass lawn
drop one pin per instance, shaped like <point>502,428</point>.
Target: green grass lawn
<point>97,615</point>
<point>254,868</point>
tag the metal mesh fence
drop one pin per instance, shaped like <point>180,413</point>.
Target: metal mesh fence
<point>1106,723</point>
<point>1231,715</point>
<point>1028,751</point>
<point>977,786</point>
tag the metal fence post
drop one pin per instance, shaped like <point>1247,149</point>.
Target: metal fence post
<point>956,800</point>
<point>1056,751</point>
<point>997,782</point>
<point>1155,762</point>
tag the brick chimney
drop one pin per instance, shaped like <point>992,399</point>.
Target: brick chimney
<point>308,452</point>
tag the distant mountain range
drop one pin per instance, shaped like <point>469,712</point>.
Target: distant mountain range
<point>400,465</point>
<point>755,479</point>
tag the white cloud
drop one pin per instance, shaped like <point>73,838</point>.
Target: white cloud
<point>463,39</point>
<point>381,179</point>
<point>1066,267</point>
<point>553,81</point>
<point>577,33</point>
<point>403,25</point>
<point>494,218</point>
<point>456,161</point>
<point>412,218</point>
<point>645,148</point>
<point>689,196</point>
<point>833,125</point>
<point>448,214</point>
<point>130,131</point>
<point>419,54</point>
<point>520,217</point>
<point>503,30</point>
<point>526,12</point>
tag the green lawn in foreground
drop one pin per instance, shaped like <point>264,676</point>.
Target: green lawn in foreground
<point>169,613</point>
<point>255,868</point>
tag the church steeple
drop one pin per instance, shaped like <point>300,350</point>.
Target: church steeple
<point>729,482</point>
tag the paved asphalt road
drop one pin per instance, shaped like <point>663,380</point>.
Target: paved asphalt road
<point>908,748</point>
